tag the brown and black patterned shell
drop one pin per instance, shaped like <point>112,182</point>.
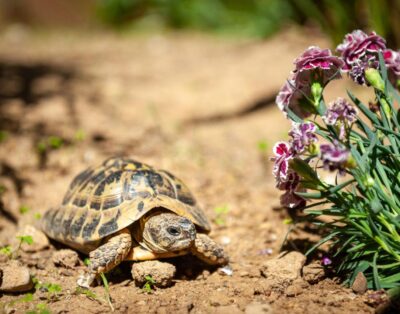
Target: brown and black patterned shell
<point>103,200</point>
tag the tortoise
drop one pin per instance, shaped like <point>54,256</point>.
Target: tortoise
<point>125,210</point>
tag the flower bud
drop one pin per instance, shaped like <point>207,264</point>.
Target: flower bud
<point>314,149</point>
<point>316,91</point>
<point>350,163</point>
<point>374,78</point>
<point>368,182</point>
<point>386,108</point>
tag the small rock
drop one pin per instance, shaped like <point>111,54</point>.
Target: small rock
<point>229,309</point>
<point>285,268</point>
<point>66,258</point>
<point>313,272</point>
<point>360,284</point>
<point>219,298</point>
<point>161,272</point>
<point>226,270</point>
<point>40,240</point>
<point>293,290</point>
<point>258,308</point>
<point>66,272</point>
<point>15,278</point>
<point>224,240</point>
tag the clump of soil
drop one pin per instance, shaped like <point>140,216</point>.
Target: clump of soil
<point>196,106</point>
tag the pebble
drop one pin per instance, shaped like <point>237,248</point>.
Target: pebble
<point>258,308</point>
<point>161,272</point>
<point>15,278</point>
<point>293,291</point>
<point>286,267</point>
<point>225,240</point>
<point>313,272</point>
<point>229,309</point>
<point>66,258</point>
<point>360,284</point>
<point>226,270</point>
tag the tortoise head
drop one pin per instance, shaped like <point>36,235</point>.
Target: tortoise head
<point>167,232</point>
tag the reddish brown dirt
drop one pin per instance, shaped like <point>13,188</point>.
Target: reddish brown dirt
<point>136,95</point>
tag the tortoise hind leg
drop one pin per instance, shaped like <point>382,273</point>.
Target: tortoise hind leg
<point>107,256</point>
<point>209,251</point>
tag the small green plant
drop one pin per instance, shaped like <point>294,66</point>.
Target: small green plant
<point>23,239</point>
<point>6,250</point>
<point>107,290</point>
<point>80,135</point>
<point>24,209</point>
<point>220,214</point>
<point>3,189</point>
<point>148,287</point>
<point>55,142</point>
<point>262,146</point>
<point>5,307</point>
<point>3,136</point>
<point>44,146</point>
<point>41,308</point>
<point>89,293</point>
<point>53,290</point>
<point>37,216</point>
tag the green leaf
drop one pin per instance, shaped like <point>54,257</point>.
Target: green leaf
<point>24,209</point>
<point>25,239</point>
<point>305,171</point>
<point>370,115</point>
<point>375,273</point>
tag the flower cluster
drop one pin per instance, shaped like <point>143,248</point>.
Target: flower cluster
<point>286,179</point>
<point>362,151</point>
<point>303,135</point>
<point>314,65</point>
<point>341,114</point>
<point>360,51</point>
<point>334,156</point>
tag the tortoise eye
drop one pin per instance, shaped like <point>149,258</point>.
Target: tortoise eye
<point>174,231</point>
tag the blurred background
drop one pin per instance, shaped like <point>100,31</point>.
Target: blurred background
<point>253,18</point>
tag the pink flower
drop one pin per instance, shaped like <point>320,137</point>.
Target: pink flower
<point>291,96</point>
<point>359,52</point>
<point>283,153</point>
<point>317,64</point>
<point>303,135</point>
<point>291,200</point>
<point>392,61</point>
<point>334,156</point>
<point>341,114</point>
<point>325,261</point>
<point>291,185</point>
<point>358,45</point>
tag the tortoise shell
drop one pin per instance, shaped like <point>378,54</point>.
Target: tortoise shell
<point>103,200</point>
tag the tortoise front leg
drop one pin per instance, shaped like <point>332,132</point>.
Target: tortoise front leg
<point>209,251</point>
<point>107,256</point>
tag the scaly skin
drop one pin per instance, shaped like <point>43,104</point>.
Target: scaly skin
<point>209,251</point>
<point>107,256</point>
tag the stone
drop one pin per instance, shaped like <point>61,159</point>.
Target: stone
<point>15,278</point>
<point>258,308</point>
<point>313,272</point>
<point>360,284</point>
<point>161,272</point>
<point>66,258</point>
<point>284,268</point>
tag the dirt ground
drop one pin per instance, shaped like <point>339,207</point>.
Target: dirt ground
<point>182,102</point>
